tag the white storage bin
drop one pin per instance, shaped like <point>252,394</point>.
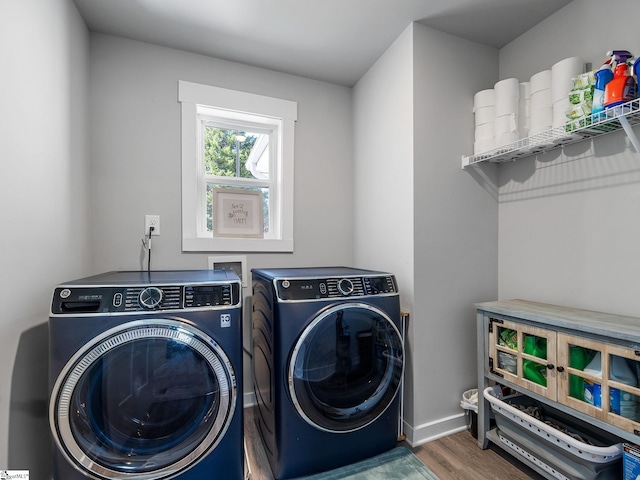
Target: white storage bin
<point>559,454</point>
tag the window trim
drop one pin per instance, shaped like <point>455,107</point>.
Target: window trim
<point>269,127</point>
<point>190,95</point>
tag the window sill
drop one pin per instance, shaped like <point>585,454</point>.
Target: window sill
<point>236,245</point>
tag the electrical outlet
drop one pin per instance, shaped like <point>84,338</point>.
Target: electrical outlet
<point>152,221</point>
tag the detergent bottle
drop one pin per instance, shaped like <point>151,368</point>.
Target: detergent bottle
<point>603,76</point>
<point>623,87</point>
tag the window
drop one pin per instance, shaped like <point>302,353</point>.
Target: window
<point>236,146</point>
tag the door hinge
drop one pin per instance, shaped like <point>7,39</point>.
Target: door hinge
<point>491,370</point>
<point>492,321</point>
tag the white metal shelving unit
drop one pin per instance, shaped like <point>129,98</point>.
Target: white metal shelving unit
<point>623,116</point>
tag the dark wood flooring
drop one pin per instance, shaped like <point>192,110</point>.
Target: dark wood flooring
<point>455,457</point>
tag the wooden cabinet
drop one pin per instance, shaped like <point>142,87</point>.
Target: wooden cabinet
<point>585,363</point>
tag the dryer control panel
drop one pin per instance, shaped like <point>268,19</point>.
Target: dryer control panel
<point>79,300</point>
<point>325,288</point>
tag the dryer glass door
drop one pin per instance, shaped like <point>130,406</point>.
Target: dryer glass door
<point>146,401</point>
<point>346,367</point>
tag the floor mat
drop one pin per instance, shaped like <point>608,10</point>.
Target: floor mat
<point>396,464</point>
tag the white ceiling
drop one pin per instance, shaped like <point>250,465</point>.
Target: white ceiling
<point>335,41</point>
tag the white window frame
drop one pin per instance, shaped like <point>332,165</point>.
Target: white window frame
<point>277,113</point>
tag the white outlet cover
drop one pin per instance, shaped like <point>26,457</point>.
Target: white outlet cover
<point>152,221</point>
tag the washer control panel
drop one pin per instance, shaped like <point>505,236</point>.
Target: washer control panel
<point>74,300</point>
<point>321,288</point>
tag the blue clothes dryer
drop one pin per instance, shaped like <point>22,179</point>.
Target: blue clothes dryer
<point>146,376</point>
<point>328,363</point>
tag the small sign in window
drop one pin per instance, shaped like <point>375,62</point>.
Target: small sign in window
<point>238,213</point>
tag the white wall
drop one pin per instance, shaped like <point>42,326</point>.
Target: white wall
<point>135,157</point>
<point>569,219</point>
<point>455,226</point>
<point>43,205</point>
<point>420,216</point>
<point>456,223</point>
<point>383,166</point>
<point>383,172</point>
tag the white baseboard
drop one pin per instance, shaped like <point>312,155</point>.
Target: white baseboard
<point>430,431</point>
<point>424,433</point>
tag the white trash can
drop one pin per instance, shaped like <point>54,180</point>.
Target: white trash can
<point>469,403</point>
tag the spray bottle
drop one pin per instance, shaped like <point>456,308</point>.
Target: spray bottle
<point>603,76</point>
<point>623,86</point>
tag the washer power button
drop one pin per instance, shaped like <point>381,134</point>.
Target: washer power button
<point>117,299</point>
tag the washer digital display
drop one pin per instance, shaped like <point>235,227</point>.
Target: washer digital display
<point>207,295</point>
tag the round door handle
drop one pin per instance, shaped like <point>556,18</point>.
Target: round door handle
<point>560,369</point>
<point>551,366</point>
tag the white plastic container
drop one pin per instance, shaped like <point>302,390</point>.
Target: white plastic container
<point>560,455</point>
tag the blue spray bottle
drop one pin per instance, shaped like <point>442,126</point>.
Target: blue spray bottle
<point>603,76</point>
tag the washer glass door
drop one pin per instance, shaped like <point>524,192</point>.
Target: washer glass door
<point>145,401</point>
<point>346,367</point>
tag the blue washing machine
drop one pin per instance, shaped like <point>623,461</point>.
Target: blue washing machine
<point>146,376</point>
<point>328,364</point>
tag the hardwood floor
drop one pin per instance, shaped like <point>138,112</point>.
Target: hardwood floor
<point>456,457</point>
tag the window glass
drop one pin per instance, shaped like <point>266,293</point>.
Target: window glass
<point>235,153</point>
<point>346,368</point>
<point>159,408</point>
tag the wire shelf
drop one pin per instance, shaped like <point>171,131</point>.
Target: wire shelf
<point>622,116</point>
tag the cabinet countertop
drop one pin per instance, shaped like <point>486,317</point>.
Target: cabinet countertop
<point>598,323</point>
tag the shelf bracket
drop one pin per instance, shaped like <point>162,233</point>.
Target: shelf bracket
<point>630,133</point>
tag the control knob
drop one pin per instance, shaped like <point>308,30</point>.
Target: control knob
<point>150,297</point>
<point>345,286</point>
